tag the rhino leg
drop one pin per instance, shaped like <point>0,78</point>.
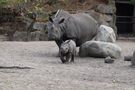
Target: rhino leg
<point>68,57</point>
<point>62,58</point>
<point>58,42</point>
<point>72,59</point>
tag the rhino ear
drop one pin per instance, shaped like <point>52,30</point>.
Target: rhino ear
<point>50,19</point>
<point>61,21</point>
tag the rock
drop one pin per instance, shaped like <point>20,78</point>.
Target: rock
<point>39,26</point>
<point>104,8</point>
<point>109,60</point>
<point>3,38</point>
<point>35,36</point>
<point>10,34</point>
<point>20,36</point>
<point>38,36</point>
<point>127,58</point>
<point>133,59</point>
<point>105,34</point>
<point>99,49</point>
<point>110,11</point>
<point>36,32</point>
<point>39,33</point>
<point>100,17</point>
<point>104,19</point>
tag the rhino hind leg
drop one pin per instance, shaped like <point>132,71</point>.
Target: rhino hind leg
<point>68,57</point>
<point>58,42</point>
<point>72,58</point>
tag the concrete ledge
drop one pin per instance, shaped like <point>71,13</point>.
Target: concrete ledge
<point>126,38</point>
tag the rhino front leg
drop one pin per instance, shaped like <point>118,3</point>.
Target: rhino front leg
<point>62,58</point>
<point>58,42</point>
<point>72,59</point>
<point>69,57</point>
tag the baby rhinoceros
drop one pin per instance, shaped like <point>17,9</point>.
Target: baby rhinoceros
<point>67,51</point>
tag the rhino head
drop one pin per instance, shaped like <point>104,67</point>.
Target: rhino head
<point>54,28</point>
<point>64,48</point>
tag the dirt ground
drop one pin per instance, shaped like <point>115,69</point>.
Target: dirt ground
<point>40,69</point>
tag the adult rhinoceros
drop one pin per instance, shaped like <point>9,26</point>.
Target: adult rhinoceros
<point>80,27</point>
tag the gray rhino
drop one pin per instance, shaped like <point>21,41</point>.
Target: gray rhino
<point>67,51</point>
<point>79,27</point>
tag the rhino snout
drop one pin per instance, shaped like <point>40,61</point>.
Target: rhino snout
<point>51,38</point>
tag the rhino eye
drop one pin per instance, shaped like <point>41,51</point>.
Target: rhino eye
<point>50,19</point>
<point>61,21</point>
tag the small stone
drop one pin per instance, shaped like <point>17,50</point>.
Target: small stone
<point>127,58</point>
<point>109,60</point>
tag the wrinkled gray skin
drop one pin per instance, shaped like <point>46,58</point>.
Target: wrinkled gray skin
<point>67,51</point>
<point>79,27</point>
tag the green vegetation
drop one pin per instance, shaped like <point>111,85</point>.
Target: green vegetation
<point>25,6</point>
<point>132,2</point>
<point>10,3</point>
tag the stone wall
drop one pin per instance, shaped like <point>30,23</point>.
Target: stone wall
<point>17,27</point>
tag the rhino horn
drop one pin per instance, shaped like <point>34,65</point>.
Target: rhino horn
<point>57,13</point>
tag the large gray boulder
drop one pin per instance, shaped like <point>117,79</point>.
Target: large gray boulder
<point>105,34</point>
<point>99,49</point>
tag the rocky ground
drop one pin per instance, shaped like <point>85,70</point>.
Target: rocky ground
<point>34,66</point>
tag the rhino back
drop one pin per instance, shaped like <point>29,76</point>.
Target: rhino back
<point>82,27</point>
<point>72,46</point>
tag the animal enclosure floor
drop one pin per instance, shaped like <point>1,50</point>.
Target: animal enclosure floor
<point>34,66</point>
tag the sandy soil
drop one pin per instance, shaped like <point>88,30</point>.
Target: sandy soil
<point>44,71</point>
